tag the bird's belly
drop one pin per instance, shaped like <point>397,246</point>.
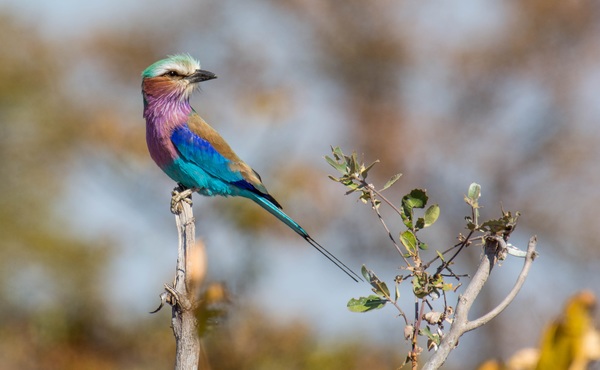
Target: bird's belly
<point>192,176</point>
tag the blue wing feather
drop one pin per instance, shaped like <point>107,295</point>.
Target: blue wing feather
<point>202,153</point>
<point>204,166</point>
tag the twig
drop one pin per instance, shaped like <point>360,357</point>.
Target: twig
<point>461,324</point>
<point>445,265</point>
<point>389,203</point>
<point>388,231</point>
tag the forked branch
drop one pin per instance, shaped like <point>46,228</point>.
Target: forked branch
<point>494,247</point>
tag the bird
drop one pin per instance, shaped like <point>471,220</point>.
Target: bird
<point>194,154</point>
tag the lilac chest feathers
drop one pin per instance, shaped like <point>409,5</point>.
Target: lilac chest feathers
<point>162,117</point>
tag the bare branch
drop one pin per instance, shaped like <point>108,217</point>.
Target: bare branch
<point>188,276</point>
<point>493,247</point>
<point>183,319</point>
<point>531,255</point>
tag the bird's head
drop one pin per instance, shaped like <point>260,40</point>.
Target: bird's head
<point>175,77</point>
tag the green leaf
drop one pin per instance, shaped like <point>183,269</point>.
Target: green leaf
<point>337,152</point>
<point>364,304</point>
<point>420,223</point>
<point>379,287</point>
<point>416,282</point>
<point>474,192</point>
<point>365,171</point>
<point>340,167</point>
<point>417,198</point>
<point>431,215</point>
<point>353,186</point>
<point>506,223</point>
<point>427,332</point>
<point>352,162</point>
<point>392,181</point>
<point>409,240</point>
<point>434,338</point>
<point>418,287</point>
<point>440,255</point>
<point>423,246</point>
<point>365,273</point>
<point>406,215</point>
<point>471,226</point>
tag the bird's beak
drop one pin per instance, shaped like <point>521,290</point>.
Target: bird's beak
<point>201,75</point>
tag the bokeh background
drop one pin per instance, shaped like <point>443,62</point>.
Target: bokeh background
<point>506,94</point>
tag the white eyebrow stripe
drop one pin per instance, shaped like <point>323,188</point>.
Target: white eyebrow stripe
<point>184,69</point>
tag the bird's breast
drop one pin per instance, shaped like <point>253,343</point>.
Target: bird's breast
<point>163,116</point>
<point>161,148</point>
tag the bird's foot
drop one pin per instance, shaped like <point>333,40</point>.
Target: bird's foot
<point>173,298</point>
<point>164,298</point>
<point>179,194</point>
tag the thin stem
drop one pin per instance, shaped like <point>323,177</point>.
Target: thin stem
<point>460,245</point>
<point>364,183</point>
<point>393,302</point>
<point>380,195</point>
<point>388,231</point>
<point>418,320</point>
<point>400,311</point>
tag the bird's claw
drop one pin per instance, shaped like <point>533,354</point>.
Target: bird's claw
<point>170,296</point>
<point>164,296</point>
<point>180,193</point>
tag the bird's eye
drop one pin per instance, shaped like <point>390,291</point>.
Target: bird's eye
<point>172,73</point>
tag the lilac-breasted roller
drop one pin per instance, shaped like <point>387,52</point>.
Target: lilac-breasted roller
<point>192,153</point>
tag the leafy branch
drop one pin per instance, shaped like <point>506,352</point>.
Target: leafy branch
<point>427,286</point>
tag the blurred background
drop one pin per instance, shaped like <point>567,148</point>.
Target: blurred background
<point>506,94</point>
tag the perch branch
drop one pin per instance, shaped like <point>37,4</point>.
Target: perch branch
<point>181,295</point>
<point>183,319</point>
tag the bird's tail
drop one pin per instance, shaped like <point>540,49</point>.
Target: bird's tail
<point>277,212</point>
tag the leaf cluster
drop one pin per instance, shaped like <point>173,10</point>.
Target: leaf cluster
<point>428,282</point>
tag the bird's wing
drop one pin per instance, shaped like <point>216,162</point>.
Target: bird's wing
<point>199,143</point>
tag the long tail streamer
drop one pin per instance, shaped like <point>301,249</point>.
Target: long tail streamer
<point>277,212</point>
<point>353,275</point>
